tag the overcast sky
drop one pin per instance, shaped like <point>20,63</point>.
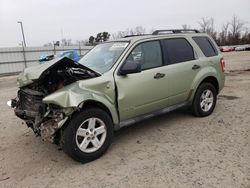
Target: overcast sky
<point>49,20</point>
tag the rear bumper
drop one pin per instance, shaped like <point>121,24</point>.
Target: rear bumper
<point>222,81</point>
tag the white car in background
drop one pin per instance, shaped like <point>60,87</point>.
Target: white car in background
<point>240,48</point>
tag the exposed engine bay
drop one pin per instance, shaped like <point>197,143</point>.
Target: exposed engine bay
<point>60,75</point>
<point>41,117</point>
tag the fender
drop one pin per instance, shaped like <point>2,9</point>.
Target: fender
<point>74,95</point>
<point>201,75</point>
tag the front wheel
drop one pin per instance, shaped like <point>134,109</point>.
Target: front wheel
<point>88,135</point>
<point>204,100</point>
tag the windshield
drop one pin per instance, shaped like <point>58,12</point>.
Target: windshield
<point>102,57</point>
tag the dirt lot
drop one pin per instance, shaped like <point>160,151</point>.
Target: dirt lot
<point>174,150</point>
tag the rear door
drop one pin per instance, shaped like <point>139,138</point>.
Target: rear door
<point>182,67</point>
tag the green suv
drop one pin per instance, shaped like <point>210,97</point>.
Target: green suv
<point>118,83</point>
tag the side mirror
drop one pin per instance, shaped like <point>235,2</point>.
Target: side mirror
<point>130,67</point>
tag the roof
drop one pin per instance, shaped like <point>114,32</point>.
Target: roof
<point>156,36</point>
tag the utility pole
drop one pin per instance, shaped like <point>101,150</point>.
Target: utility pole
<point>21,23</point>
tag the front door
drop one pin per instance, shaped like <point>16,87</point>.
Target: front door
<point>144,92</point>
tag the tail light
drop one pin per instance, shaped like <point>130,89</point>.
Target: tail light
<point>222,64</point>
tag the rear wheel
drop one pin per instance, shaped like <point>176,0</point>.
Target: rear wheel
<point>88,135</point>
<point>204,100</point>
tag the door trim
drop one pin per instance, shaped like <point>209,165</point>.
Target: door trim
<point>150,115</point>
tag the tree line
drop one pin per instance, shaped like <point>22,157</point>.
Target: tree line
<point>233,32</point>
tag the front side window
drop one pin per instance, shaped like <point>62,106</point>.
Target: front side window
<point>148,54</point>
<point>103,56</point>
<point>178,50</point>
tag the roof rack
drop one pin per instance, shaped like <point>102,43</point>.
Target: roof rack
<point>173,31</point>
<point>135,35</point>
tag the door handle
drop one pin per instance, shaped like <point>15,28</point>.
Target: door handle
<point>196,67</point>
<point>159,75</point>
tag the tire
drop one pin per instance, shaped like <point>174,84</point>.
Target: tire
<point>204,100</point>
<point>88,135</point>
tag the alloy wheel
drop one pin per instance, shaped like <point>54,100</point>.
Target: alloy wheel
<point>91,135</point>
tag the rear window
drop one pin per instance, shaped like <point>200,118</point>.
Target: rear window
<point>178,50</point>
<point>206,46</point>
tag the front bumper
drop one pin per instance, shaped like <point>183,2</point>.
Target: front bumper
<point>44,119</point>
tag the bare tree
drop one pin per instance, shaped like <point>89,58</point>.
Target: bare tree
<point>204,24</point>
<point>81,42</point>
<point>207,26</point>
<point>225,28</point>
<point>185,26</point>
<point>66,42</point>
<point>224,34</point>
<point>48,44</point>
<point>121,34</point>
<point>236,25</point>
<point>236,29</point>
<point>138,30</point>
<point>245,36</point>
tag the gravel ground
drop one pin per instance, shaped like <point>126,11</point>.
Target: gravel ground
<point>173,150</point>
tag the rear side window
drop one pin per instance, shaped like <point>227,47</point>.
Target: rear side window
<point>206,46</point>
<point>178,50</point>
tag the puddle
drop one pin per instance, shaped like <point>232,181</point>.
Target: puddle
<point>236,72</point>
<point>244,70</point>
<point>228,97</point>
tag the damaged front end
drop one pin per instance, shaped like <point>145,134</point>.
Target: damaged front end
<point>40,81</point>
<point>44,119</point>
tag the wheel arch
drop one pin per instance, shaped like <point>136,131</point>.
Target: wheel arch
<point>107,107</point>
<point>93,103</point>
<point>213,81</point>
<point>208,79</point>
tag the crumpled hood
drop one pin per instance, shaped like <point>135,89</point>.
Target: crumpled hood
<point>30,74</point>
